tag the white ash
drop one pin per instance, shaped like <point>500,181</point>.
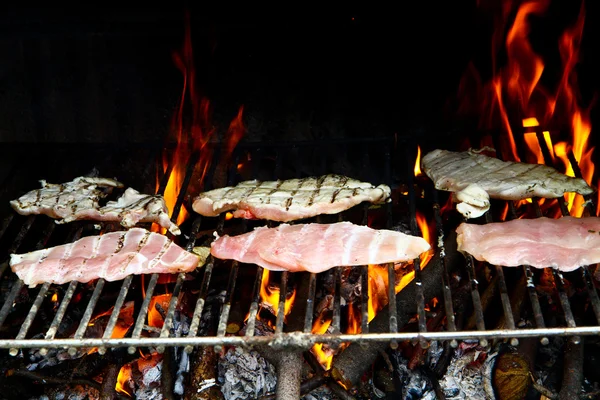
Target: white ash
<point>182,370</point>
<point>245,374</point>
<point>149,393</point>
<point>468,377</point>
<point>320,393</point>
<point>414,384</point>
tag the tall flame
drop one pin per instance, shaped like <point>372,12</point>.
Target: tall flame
<point>515,92</point>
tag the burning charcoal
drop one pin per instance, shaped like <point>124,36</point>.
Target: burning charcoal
<point>245,374</point>
<point>415,384</point>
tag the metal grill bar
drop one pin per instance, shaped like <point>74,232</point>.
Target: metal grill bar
<point>87,314</point>
<point>114,316</point>
<point>227,306</point>
<point>256,300</point>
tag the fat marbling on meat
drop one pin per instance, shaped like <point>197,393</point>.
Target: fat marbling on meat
<point>290,200</point>
<point>565,243</point>
<point>112,256</point>
<point>318,247</point>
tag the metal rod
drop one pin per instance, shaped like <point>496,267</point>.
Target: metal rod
<point>60,313</point>
<point>587,278</point>
<point>283,283</point>
<point>447,292</point>
<point>364,298</point>
<point>251,325</point>
<point>535,303</point>
<point>18,240</point>
<point>10,299</point>
<point>87,314</point>
<point>310,303</point>
<point>222,327</point>
<point>168,323</point>
<point>393,311</point>
<point>336,319</point>
<point>30,316</point>
<point>114,316</point>
<point>5,223</point>
<point>478,308</point>
<point>296,338</point>
<point>143,313</point>
<point>195,324</point>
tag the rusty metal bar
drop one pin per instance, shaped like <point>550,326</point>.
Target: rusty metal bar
<point>477,306</point>
<point>392,302</point>
<point>30,316</point>
<point>5,223</point>
<point>142,315</point>
<point>10,299</point>
<point>336,319</point>
<point>364,298</point>
<point>114,316</point>
<point>17,241</point>
<point>60,313</point>
<point>87,314</point>
<point>222,327</point>
<point>447,292</point>
<point>283,284</point>
<point>195,324</point>
<point>310,303</point>
<point>251,325</point>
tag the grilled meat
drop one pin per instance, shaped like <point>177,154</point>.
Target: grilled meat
<point>111,256</point>
<point>565,243</point>
<point>289,200</point>
<point>469,173</point>
<point>79,200</point>
<point>66,202</point>
<point>134,207</point>
<point>318,247</point>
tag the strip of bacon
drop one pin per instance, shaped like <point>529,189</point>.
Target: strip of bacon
<point>111,256</point>
<point>318,247</point>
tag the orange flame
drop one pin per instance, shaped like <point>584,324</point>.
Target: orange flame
<point>417,168</point>
<point>124,322</point>
<point>124,379</point>
<point>270,295</point>
<point>155,318</point>
<point>515,89</point>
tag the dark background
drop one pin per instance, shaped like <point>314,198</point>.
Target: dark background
<point>106,74</point>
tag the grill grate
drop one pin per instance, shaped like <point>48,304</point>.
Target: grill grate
<point>377,158</point>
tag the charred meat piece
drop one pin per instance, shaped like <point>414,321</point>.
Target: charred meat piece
<point>111,256</point>
<point>565,243</point>
<point>289,200</point>
<point>134,207</point>
<point>318,247</point>
<point>470,175</point>
<point>79,200</point>
<point>66,202</point>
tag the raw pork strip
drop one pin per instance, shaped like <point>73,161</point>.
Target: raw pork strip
<point>111,256</point>
<point>318,247</point>
<point>565,243</point>
<point>505,180</point>
<point>290,200</point>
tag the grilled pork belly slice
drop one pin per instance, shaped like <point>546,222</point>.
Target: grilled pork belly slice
<point>112,256</point>
<point>67,201</point>
<point>134,207</point>
<point>469,173</point>
<point>290,200</point>
<point>79,200</point>
<point>565,243</point>
<point>318,247</point>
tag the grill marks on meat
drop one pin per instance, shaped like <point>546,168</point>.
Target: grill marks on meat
<point>318,247</point>
<point>290,200</point>
<point>565,243</point>
<point>66,202</point>
<point>112,256</point>
<point>79,200</point>
<point>506,180</point>
<point>134,207</point>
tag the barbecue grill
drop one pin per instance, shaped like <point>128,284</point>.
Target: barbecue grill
<point>387,160</point>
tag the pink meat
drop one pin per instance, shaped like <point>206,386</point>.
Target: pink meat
<point>565,243</point>
<point>112,256</point>
<point>318,247</point>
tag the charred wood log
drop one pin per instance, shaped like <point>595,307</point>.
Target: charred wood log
<point>573,371</point>
<point>351,364</point>
<point>203,383</point>
<point>107,390</point>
